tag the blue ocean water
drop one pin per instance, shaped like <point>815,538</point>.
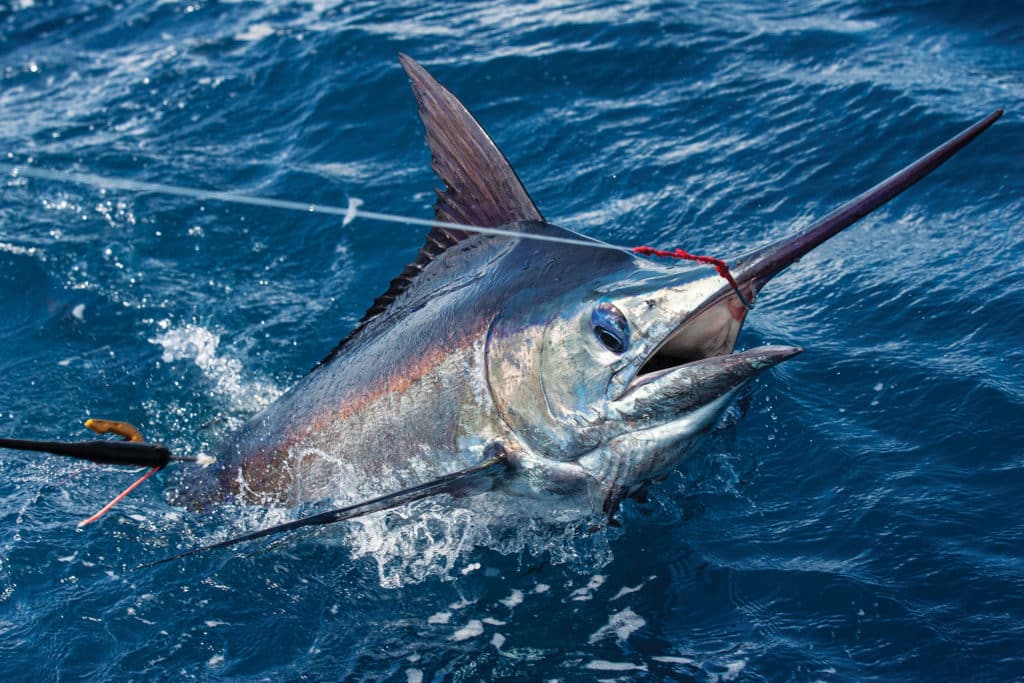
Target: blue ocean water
<point>860,520</point>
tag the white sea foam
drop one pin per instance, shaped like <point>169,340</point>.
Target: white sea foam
<point>605,665</point>
<point>732,671</point>
<point>623,624</point>
<point>471,630</point>
<point>626,590</point>
<point>255,32</point>
<point>19,250</point>
<point>587,592</point>
<point>514,598</point>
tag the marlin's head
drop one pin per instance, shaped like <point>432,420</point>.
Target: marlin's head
<point>611,368</point>
<point>608,368</point>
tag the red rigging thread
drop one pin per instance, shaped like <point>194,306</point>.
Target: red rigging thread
<point>121,496</point>
<point>719,264</point>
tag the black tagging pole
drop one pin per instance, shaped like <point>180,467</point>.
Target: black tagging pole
<point>134,452</point>
<point>100,451</point>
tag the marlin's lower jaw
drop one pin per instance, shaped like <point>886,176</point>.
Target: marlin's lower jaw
<point>665,414</point>
<point>684,388</point>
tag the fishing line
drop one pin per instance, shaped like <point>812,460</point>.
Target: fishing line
<point>348,213</point>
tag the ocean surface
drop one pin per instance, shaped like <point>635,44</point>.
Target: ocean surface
<point>859,517</point>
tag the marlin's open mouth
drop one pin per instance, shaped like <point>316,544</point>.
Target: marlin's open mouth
<point>708,332</point>
<point>672,353</point>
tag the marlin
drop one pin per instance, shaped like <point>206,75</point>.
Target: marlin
<point>540,369</point>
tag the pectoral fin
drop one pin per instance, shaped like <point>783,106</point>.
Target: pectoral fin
<point>454,483</point>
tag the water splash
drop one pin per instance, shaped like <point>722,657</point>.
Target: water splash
<point>433,538</point>
<point>224,373</point>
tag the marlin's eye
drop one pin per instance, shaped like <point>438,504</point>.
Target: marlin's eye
<point>610,327</point>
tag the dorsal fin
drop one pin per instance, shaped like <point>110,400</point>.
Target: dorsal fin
<point>481,187</point>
